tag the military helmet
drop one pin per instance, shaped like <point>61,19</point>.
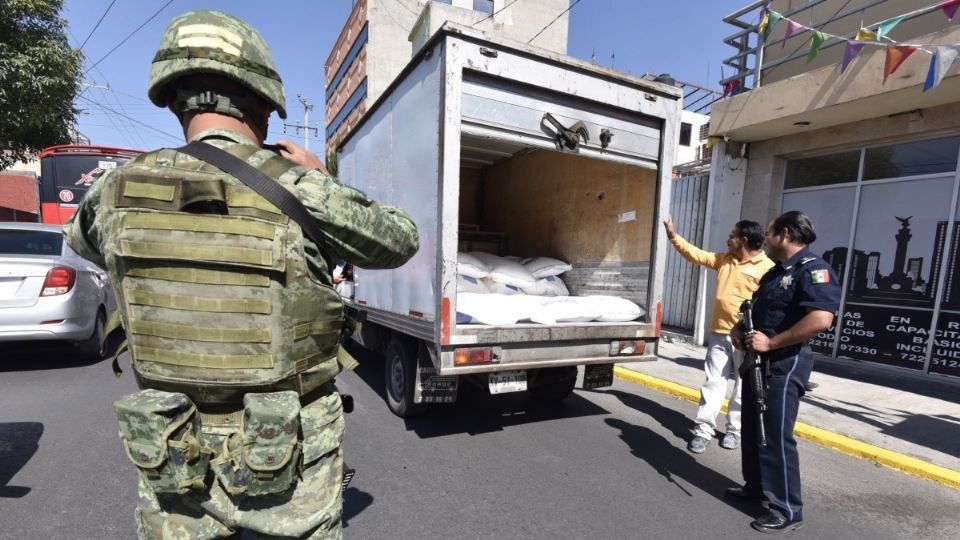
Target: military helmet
<point>214,42</point>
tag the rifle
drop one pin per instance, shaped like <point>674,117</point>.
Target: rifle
<point>753,364</point>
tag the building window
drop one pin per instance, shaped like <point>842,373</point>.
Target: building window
<point>483,6</point>
<point>686,131</point>
<point>911,159</point>
<point>822,170</point>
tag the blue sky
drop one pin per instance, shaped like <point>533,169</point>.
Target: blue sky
<point>636,36</point>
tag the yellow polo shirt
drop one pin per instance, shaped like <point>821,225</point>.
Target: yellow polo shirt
<point>736,281</point>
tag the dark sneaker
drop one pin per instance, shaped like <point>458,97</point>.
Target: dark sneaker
<point>698,445</point>
<point>731,441</point>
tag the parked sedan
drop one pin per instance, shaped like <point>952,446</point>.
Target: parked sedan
<point>49,293</point>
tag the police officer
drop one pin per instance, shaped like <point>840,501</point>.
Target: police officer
<point>229,311</point>
<point>796,300</point>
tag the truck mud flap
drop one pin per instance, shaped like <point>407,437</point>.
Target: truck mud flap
<point>429,387</point>
<point>597,376</point>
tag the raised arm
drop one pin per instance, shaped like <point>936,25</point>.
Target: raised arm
<point>358,229</point>
<point>689,251</point>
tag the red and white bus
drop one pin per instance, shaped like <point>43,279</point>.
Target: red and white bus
<point>67,172</point>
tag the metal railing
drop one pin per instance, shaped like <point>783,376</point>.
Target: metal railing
<point>748,63</point>
<point>696,98</point>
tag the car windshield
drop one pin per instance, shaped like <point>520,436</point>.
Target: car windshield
<point>20,242</point>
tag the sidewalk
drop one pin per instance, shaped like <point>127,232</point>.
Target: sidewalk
<point>912,425</point>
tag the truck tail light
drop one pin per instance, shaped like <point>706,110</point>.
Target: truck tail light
<point>480,355</point>
<point>59,280</point>
<point>619,347</point>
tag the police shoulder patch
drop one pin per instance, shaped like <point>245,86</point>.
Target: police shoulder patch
<point>820,276</point>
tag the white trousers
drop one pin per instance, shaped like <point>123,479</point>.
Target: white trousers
<point>722,363</point>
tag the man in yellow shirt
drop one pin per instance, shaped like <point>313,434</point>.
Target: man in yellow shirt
<point>738,275</point>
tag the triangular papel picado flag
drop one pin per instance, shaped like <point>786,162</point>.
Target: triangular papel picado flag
<point>791,28</point>
<point>853,47</point>
<point>772,19</point>
<point>815,43</point>
<point>940,64</point>
<point>896,54</point>
<point>949,8</point>
<point>886,26</point>
<point>865,35</point>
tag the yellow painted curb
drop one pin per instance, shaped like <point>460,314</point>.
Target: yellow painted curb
<point>841,443</point>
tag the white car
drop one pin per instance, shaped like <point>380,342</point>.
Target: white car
<point>48,292</point>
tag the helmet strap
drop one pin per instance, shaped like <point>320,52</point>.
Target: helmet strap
<point>220,102</point>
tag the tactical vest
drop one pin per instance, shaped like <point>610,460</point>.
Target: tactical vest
<point>215,305</point>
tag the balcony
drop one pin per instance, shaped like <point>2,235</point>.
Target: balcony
<point>776,91</point>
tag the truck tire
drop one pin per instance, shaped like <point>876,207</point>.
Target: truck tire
<point>400,377</point>
<point>551,385</point>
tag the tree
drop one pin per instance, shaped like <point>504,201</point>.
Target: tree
<point>39,78</point>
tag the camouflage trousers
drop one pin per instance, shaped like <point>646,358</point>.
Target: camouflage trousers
<point>311,509</point>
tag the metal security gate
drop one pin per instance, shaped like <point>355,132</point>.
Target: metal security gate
<point>688,208</point>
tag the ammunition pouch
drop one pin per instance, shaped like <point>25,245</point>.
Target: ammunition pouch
<point>264,456</point>
<point>160,434</point>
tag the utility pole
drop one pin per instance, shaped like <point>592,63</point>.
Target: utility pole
<point>307,107</point>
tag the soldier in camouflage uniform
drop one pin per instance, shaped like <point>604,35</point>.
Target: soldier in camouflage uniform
<point>229,312</point>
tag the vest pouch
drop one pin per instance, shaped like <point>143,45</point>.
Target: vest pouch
<point>264,456</point>
<point>159,431</point>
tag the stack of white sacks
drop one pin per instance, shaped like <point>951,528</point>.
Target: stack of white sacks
<point>505,290</point>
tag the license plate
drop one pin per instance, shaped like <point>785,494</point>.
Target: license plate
<point>508,381</point>
<point>597,375</point>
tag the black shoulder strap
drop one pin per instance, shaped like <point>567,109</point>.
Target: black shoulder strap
<point>267,187</point>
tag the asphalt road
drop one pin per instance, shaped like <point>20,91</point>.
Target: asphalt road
<point>606,464</point>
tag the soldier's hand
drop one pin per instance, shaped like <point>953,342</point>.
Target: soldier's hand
<point>668,225</point>
<point>300,156</point>
<point>758,341</point>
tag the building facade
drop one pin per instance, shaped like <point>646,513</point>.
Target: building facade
<point>380,36</point>
<point>833,113</point>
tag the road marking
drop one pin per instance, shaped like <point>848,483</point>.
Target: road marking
<point>828,439</point>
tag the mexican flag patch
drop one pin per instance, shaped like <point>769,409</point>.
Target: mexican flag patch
<point>820,276</point>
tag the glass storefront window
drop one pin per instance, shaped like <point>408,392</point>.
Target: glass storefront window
<point>894,271</point>
<point>830,211</point>
<point>911,159</point>
<point>823,170</point>
<point>946,350</point>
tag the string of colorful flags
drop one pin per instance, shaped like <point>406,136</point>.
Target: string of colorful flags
<point>942,56</point>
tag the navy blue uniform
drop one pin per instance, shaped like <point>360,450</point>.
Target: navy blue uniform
<point>785,294</point>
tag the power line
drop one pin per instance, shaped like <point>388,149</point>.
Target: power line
<point>129,36</point>
<point>492,15</point>
<point>134,120</point>
<point>98,24</point>
<point>542,30</point>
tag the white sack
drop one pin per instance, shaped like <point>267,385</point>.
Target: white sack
<point>471,284</point>
<point>614,309</point>
<point>565,309</point>
<point>497,287</point>
<point>542,267</point>
<point>495,309</point>
<point>506,271</point>
<point>471,266</point>
<point>548,286</point>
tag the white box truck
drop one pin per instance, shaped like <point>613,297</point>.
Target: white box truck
<point>499,147</point>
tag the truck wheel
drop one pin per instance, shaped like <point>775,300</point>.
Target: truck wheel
<point>553,384</point>
<point>400,376</point>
